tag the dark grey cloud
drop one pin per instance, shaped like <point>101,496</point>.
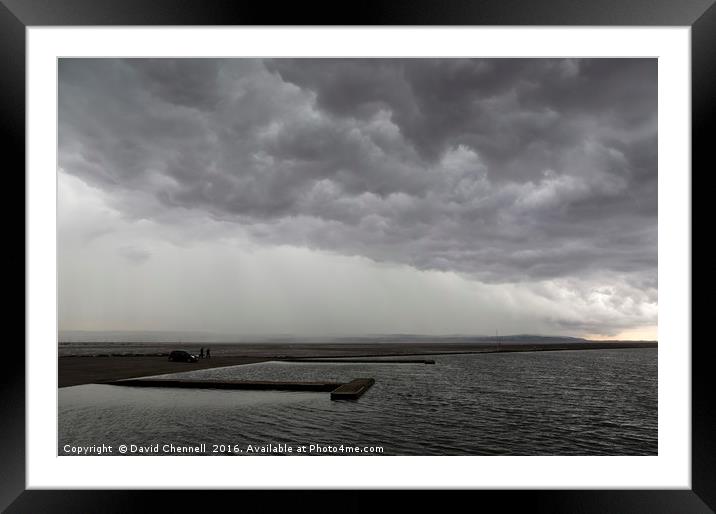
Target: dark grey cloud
<point>506,170</point>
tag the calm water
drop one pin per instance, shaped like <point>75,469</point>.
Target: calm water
<point>597,402</point>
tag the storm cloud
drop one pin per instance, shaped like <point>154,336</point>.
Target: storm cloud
<point>540,172</point>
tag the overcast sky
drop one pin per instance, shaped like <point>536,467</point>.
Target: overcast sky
<point>349,196</point>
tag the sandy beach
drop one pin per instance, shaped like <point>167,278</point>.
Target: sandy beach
<point>87,370</point>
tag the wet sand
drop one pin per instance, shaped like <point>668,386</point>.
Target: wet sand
<point>88,370</point>
<point>78,370</point>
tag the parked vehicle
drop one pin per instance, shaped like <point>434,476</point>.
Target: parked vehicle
<point>182,356</point>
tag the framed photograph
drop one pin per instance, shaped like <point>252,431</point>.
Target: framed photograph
<point>422,248</point>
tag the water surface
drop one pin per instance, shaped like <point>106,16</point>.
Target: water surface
<point>596,402</point>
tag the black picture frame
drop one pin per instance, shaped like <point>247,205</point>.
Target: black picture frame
<point>17,15</point>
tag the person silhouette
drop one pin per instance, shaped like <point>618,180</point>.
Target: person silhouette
<point>208,353</point>
<point>201,353</point>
